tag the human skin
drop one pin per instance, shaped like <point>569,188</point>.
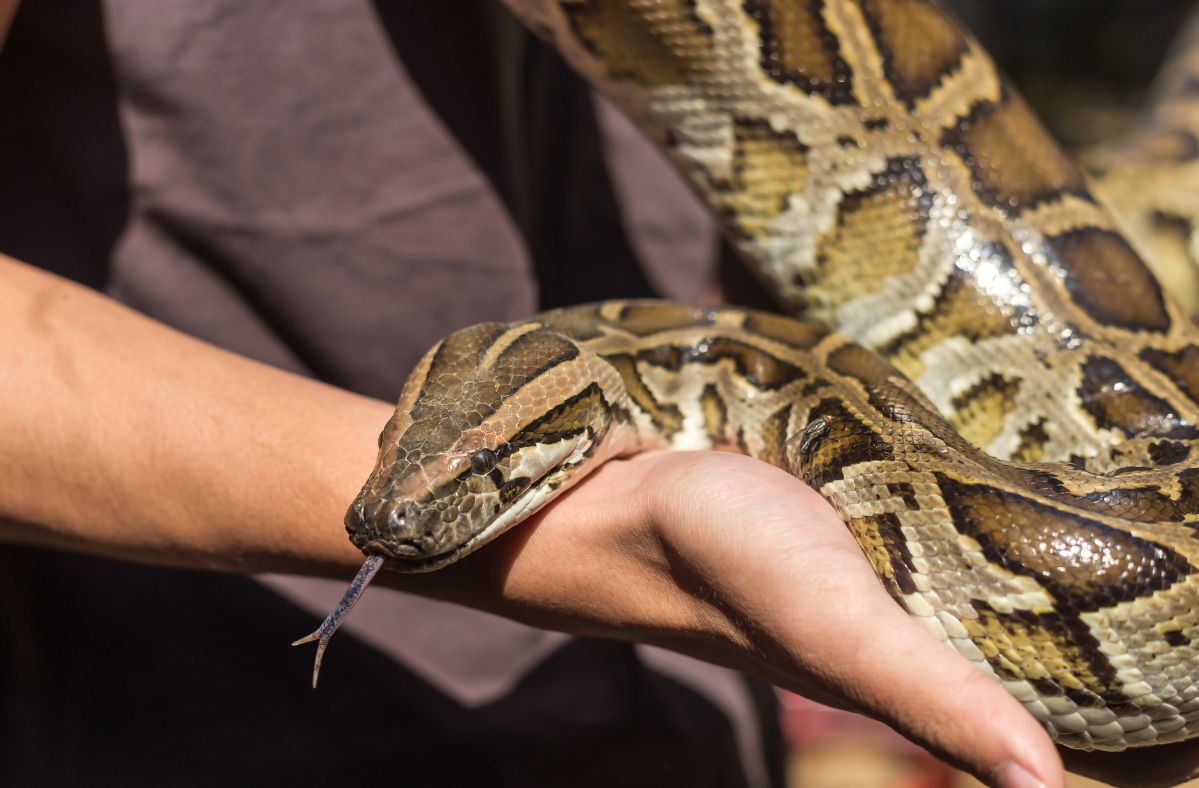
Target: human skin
<point>125,438</point>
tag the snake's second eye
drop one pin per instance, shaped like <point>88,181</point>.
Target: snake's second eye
<point>482,461</point>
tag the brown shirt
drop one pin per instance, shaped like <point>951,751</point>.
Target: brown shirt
<point>330,186</point>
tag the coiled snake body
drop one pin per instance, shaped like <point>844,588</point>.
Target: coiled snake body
<point>1005,417</point>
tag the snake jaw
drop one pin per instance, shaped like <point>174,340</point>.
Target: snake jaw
<point>333,621</point>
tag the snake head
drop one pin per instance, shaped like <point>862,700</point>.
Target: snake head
<point>493,423</point>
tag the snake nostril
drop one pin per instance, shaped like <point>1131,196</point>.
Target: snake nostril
<point>397,519</point>
<point>368,509</point>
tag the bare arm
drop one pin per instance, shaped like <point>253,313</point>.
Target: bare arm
<point>123,437</point>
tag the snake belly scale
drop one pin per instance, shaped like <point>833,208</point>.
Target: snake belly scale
<point>993,390</point>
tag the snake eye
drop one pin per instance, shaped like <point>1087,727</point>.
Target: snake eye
<point>483,461</point>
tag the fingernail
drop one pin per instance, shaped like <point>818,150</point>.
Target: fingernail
<point>1013,775</point>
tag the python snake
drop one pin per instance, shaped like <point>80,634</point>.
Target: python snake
<point>994,391</point>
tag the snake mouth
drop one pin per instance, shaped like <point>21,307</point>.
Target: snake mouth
<point>407,556</point>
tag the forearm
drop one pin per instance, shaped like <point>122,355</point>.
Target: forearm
<point>123,437</point>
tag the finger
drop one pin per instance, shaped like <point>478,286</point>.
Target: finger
<point>892,668</point>
<point>814,595</point>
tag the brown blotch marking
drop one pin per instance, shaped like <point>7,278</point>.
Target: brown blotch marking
<point>651,42</point>
<point>1167,145</point>
<point>846,441</point>
<point>1176,638</point>
<point>716,414</point>
<point>666,417</point>
<point>1014,161</point>
<point>513,488</point>
<point>795,333</point>
<point>530,355</point>
<point>906,492</point>
<point>1033,439</point>
<point>742,445</point>
<point>882,541</point>
<point>1177,227</point>
<point>1083,563</point>
<point>958,310</point>
<point>1182,367</point>
<point>758,366</point>
<point>1109,280</point>
<point>877,235</point>
<point>1143,504</point>
<point>1116,401</point>
<point>768,168</point>
<point>456,396</point>
<point>774,436</point>
<point>859,363</point>
<point>1168,452</point>
<point>918,43</point>
<point>581,412</point>
<point>797,47</point>
<point>979,412</point>
<point>577,322</point>
<point>812,387</point>
<point>650,317</point>
<point>1055,652</point>
<point>889,392</point>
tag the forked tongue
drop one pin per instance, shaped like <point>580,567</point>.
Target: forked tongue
<point>325,631</point>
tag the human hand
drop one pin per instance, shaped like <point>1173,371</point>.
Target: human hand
<point>733,561</point>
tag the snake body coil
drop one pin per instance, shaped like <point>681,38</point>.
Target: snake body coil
<point>1005,417</point>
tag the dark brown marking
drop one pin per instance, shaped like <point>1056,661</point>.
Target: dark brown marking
<point>1182,367</point>
<point>716,414</point>
<point>643,318</point>
<point>878,233</point>
<point>583,411</point>
<point>667,417</point>
<point>1083,563</point>
<point>797,47</point>
<point>1015,162</point>
<point>795,333</point>
<point>1109,280</point>
<point>1033,438</point>
<point>580,323</point>
<point>1116,401</point>
<point>816,385</point>
<point>663,44</point>
<point>1175,638</point>
<point>774,436</point>
<point>1037,647</point>
<point>918,42</point>
<point>769,167</point>
<point>456,394</point>
<point>761,368</point>
<point>979,411</point>
<point>846,440</point>
<point>883,542</point>
<point>959,309</point>
<point>1168,452</point>
<point>906,492</point>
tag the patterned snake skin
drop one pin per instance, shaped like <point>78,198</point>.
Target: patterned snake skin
<point>1005,417</point>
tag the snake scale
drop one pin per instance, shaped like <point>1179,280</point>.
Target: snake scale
<point>993,389</point>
